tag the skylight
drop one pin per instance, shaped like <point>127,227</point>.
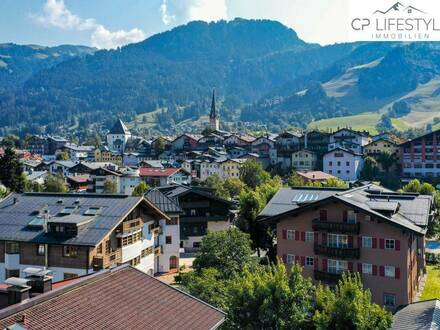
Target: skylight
<point>92,211</point>
<point>68,210</point>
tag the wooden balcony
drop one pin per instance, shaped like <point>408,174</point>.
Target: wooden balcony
<point>132,225</point>
<point>156,230</point>
<point>336,227</point>
<point>337,252</point>
<point>329,278</point>
<point>105,260</point>
<point>158,250</point>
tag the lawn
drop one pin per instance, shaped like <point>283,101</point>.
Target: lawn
<point>432,286</point>
<point>364,121</point>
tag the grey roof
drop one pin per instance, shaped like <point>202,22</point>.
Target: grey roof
<point>34,175</point>
<point>164,203</point>
<point>287,199</point>
<point>422,315</point>
<point>15,217</point>
<point>119,128</point>
<point>411,211</point>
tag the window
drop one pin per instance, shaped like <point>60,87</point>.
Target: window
<point>12,247</point>
<point>12,273</point>
<point>193,212</point>
<point>99,249</point>
<point>310,235</point>
<point>197,244</point>
<point>310,261</point>
<point>290,259</point>
<point>68,276</point>
<point>367,242</point>
<point>290,234</point>
<point>338,241</point>
<point>135,261</point>
<point>70,251</point>
<point>330,163</point>
<point>367,268</point>
<point>41,250</point>
<point>390,271</point>
<point>168,240</point>
<point>347,163</point>
<point>107,246</point>
<point>351,216</point>
<point>336,266</point>
<point>389,244</point>
<point>389,300</point>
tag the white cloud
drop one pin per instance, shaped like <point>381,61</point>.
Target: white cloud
<point>56,14</point>
<point>182,11</point>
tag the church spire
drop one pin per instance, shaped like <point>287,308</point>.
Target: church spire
<point>214,120</point>
<point>213,113</point>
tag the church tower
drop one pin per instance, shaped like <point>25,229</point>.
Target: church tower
<point>214,119</point>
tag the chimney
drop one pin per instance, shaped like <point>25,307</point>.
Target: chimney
<point>38,279</point>
<point>14,201</point>
<point>18,290</point>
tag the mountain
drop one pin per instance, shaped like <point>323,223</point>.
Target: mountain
<point>396,7</point>
<point>18,63</point>
<point>174,70</point>
<point>264,74</point>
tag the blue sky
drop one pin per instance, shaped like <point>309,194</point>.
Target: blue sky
<point>111,23</point>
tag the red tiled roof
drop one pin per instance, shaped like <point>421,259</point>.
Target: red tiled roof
<point>79,178</point>
<point>315,175</point>
<point>150,171</point>
<point>121,298</point>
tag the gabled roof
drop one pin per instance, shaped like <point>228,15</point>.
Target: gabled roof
<point>119,128</point>
<point>118,298</point>
<point>343,150</point>
<point>423,315</point>
<point>18,210</point>
<point>420,137</point>
<point>165,204</point>
<point>412,213</point>
<point>158,172</point>
<point>361,133</point>
<point>315,175</point>
<point>175,191</point>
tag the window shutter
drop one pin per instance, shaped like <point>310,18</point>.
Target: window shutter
<point>315,263</point>
<point>323,215</point>
<point>324,265</point>
<point>381,243</point>
<point>359,268</point>
<point>315,237</point>
<point>284,234</point>
<point>397,273</point>
<point>303,236</point>
<point>397,245</point>
<point>297,261</point>
<point>303,261</point>
<point>381,270</point>
<point>324,238</point>
<point>285,258</point>
<point>374,270</point>
<point>374,242</point>
<point>296,235</point>
<point>344,215</point>
<point>350,266</point>
<point>350,241</point>
<point>359,241</point>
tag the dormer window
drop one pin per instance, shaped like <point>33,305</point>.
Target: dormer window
<point>92,211</point>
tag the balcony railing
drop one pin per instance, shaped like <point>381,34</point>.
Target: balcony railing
<point>132,225</point>
<point>156,230</point>
<point>158,250</point>
<point>329,278</point>
<point>336,227</point>
<point>337,252</point>
<point>105,260</point>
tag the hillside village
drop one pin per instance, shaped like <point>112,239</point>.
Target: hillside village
<point>150,204</point>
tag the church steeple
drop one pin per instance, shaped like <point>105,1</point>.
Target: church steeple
<point>214,120</point>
